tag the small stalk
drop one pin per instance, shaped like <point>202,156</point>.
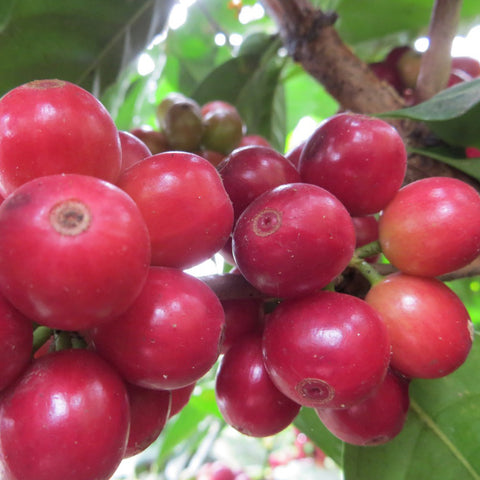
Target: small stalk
<point>366,269</point>
<point>63,340</point>
<point>41,335</point>
<point>369,250</point>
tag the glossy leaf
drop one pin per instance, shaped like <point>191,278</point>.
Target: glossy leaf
<point>453,114</point>
<point>470,166</point>
<point>440,438</point>
<point>84,41</point>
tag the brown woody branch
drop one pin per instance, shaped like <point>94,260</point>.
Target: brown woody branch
<point>311,40</point>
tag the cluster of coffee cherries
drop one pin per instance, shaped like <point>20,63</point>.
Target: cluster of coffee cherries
<point>96,233</point>
<point>401,66</point>
<point>211,130</point>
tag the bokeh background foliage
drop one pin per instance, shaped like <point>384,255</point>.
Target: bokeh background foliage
<point>96,44</point>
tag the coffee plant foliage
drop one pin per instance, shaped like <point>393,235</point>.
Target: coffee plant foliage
<point>96,44</point>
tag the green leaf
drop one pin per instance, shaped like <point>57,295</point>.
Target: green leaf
<point>378,25</point>
<point>83,41</point>
<point>251,82</point>
<point>453,114</point>
<point>470,166</point>
<point>441,435</point>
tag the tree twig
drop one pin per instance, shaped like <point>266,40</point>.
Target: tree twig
<point>311,39</point>
<point>436,61</point>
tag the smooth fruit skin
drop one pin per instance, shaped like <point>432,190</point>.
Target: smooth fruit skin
<point>223,130</point>
<point>169,337</point>
<point>293,240</point>
<point>74,250</point>
<point>133,149</point>
<point>242,317</point>
<point>429,327</point>
<point>327,349</point>
<point>246,396</point>
<point>16,342</point>
<point>153,139</point>
<point>149,412</point>
<point>431,227</point>
<point>53,126</point>
<point>253,139</point>
<point>185,206</point>
<point>376,420</point>
<point>359,159</point>
<point>180,398</point>
<point>250,171</point>
<point>68,416</point>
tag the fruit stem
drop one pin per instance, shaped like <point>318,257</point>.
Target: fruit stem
<point>366,269</point>
<point>41,335</point>
<point>369,250</point>
<point>63,340</point>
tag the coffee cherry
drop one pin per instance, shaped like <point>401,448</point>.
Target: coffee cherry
<point>68,416</point>
<point>215,158</point>
<point>429,327</point>
<point>472,152</point>
<point>170,337</point>
<point>376,420</point>
<point>408,66</point>
<point>458,76</point>
<point>52,127</point>
<point>149,412</point>
<point>328,350</point>
<point>388,73</point>
<point>359,159</point>
<point>153,139</point>
<point>469,65</point>
<point>180,398</point>
<point>164,106</point>
<point>293,240</point>
<point>183,125</point>
<point>215,471</point>
<point>250,171</point>
<point>223,130</point>
<point>74,251</point>
<point>16,339</point>
<point>133,149</point>
<point>252,139</point>
<point>246,396</point>
<point>242,317</point>
<point>431,227</point>
<point>294,154</point>
<point>185,206</point>
<point>213,105</point>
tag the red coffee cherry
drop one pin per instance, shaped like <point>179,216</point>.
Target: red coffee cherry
<point>429,327</point>
<point>293,240</point>
<point>185,206</point>
<point>328,349</point>
<point>149,412</point>
<point>359,159</point>
<point>51,127</point>
<point>376,420</point>
<point>70,412</point>
<point>171,335</point>
<point>246,396</point>
<point>74,251</point>
<point>431,227</point>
